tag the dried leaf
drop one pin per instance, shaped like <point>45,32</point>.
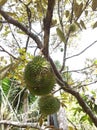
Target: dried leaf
<point>82,24</point>
<point>78,25</point>
<point>67,13</point>
<point>86,13</point>
<point>40,121</point>
<point>95,25</point>
<point>75,8</point>
<point>2,2</point>
<point>71,128</point>
<point>78,9</point>
<point>61,35</point>
<point>94,5</point>
<point>54,22</point>
<point>4,71</point>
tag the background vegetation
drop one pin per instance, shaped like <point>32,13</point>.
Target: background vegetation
<point>46,27</point>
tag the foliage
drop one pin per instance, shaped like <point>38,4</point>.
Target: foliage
<point>39,27</point>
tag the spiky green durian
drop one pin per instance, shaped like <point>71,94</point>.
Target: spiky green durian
<point>48,104</point>
<point>38,76</point>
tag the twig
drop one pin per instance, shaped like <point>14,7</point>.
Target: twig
<point>67,38</point>
<point>82,103</point>
<point>82,51</point>
<point>85,84</point>
<point>87,3</point>
<point>72,124</point>
<point>2,21</point>
<point>22,27</point>
<point>2,49</point>
<point>79,70</point>
<point>14,36</point>
<point>9,104</point>
<point>29,21</point>
<point>20,124</point>
<point>35,50</point>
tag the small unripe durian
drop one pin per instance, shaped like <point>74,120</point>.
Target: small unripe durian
<point>48,104</point>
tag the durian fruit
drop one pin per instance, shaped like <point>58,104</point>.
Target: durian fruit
<point>38,76</point>
<point>48,104</point>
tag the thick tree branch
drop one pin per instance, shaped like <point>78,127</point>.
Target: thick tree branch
<point>20,124</point>
<point>47,24</point>
<point>22,27</point>
<point>67,88</point>
<point>81,102</point>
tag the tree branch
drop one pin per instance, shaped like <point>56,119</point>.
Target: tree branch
<point>64,85</point>
<point>47,24</point>
<point>67,88</point>
<point>82,50</point>
<point>67,39</point>
<point>81,102</point>
<point>29,14</point>
<point>2,49</point>
<point>22,27</point>
<point>79,70</point>
<point>20,124</point>
<point>85,84</point>
<point>14,37</point>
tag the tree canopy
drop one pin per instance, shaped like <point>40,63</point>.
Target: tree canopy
<point>45,27</point>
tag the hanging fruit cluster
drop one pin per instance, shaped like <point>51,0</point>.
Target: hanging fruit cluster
<point>40,81</point>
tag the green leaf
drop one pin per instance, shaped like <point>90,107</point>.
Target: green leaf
<point>90,121</point>
<point>6,83</point>
<point>83,118</point>
<point>95,108</point>
<point>95,62</point>
<point>61,35</point>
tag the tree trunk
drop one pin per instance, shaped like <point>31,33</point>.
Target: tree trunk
<point>58,120</point>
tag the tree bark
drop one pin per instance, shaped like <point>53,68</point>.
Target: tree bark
<point>20,124</point>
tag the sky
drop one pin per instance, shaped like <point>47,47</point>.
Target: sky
<point>87,37</point>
